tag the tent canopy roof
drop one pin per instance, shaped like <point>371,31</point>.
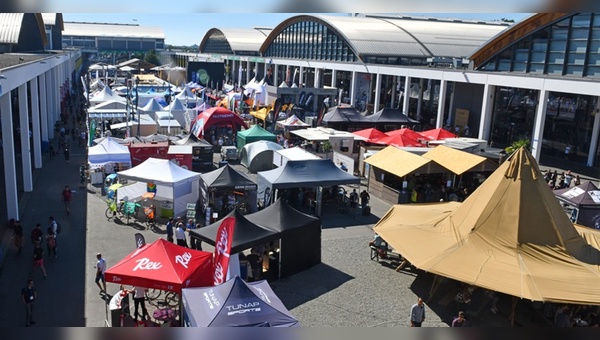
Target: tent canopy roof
<point>387,116</point>
<point>161,171</point>
<point>226,177</point>
<point>396,161</point>
<point>256,131</point>
<point>267,307</point>
<point>303,174</point>
<point>280,216</point>
<point>454,160</point>
<point>510,235</point>
<point>579,195</point>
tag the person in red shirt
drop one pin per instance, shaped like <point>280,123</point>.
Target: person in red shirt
<point>67,194</point>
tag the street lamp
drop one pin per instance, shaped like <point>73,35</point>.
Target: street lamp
<point>137,100</point>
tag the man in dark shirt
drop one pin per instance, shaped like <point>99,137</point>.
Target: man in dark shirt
<point>460,320</point>
<point>29,295</point>
<point>255,264</point>
<point>170,229</point>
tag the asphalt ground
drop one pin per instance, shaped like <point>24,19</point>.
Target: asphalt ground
<point>347,289</point>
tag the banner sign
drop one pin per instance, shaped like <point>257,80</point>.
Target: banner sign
<point>223,249</point>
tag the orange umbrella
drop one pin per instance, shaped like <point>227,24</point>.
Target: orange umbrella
<point>438,134</point>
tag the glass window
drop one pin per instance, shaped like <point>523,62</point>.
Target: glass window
<point>555,69</point>
<point>575,71</point>
<point>578,46</point>
<point>581,20</point>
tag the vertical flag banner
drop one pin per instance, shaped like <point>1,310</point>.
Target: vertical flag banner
<point>140,241</point>
<point>223,249</point>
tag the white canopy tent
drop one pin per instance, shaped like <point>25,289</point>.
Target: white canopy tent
<point>108,151</point>
<point>173,183</point>
<point>105,95</point>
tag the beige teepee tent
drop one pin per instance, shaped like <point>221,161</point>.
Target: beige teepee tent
<point>510,235</point>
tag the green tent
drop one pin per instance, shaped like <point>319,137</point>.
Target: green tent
<point>253,134</point>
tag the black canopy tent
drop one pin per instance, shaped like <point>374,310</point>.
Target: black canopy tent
<point>586,199</point>
<point>225,180</point>
<point>345,118</point>
<point>299,235</point>
<point>202,152</point>
<point>312,173</point>
<point>389,119</point>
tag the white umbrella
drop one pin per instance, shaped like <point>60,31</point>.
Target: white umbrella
<point>127,68</point>
<point>102,66</point>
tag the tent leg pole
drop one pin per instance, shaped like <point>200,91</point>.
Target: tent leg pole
<point>513,310</point>
<point>434,286</point>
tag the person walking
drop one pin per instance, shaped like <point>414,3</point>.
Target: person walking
<point>180,235</point>
<point>364,201</point>
<point>53,225</point>
<point>36,234</point>
<point>100,269</point>
<point>139,299</point>
<point>417,313</point>
<point>38,259</point>
<point>18,236</point>
<point>67,152</point>
<point>29,296</point>
<point>67,195</point>
<point>189,226</point>
<point>170,224</point>
<point>51,242</point>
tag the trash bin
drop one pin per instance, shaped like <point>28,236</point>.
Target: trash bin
<point>166,209</point>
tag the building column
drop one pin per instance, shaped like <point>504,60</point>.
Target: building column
<point>406,95</point>
<point>352,89</point>
<point>248,78</point>
<point>420,98</point>
<point>55,94</point>
<point>35,123</point>
<point>317,80</point>
<point>393,94</point>
<point>8,144</point>
<point>47,99</point>
<point>377,93</point>
<point>439,121</point>
<point>301,77</point>
<point>275,75</point>
<point>538,127</point>
<point>288,75</point>
<point>594,141</point>
<point>43,105</point>
<point>487,108</point>
<point>334,78</point>
<point>25,145</point>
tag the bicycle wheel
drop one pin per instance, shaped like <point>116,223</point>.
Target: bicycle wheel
<point>152,294</point>
<point>110,213</point>
<point>172,299</point>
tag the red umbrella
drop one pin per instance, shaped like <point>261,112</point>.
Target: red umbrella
<point>398,140</point>
<point>165,266</point>
<point>370,134</point>
<point>407,133</point>
<point>438,134</point>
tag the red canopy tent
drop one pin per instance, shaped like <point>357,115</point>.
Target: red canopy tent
<point>216,116</point>
<point>406,133</point>
<point>370,134</point>
<point>165,266</point>
<point>438,134</point>
<point>398,140</point>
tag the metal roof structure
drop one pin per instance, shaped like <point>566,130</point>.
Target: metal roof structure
<point>94,29</point>
<point>239,39</point>
<point>397,36</point>
<point>10,27</point>
<point>53,19</point>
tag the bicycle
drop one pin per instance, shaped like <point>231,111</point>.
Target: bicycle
<point>150,213</point>
<point>113,209</point>
<point>129,209</point>
<point>153,296</point>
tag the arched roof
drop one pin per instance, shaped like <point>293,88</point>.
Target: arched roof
<point>54,19</point>
<point>11,25</point>
<point>238,39</point>
<point>505,38</point>
<point>401,36</point>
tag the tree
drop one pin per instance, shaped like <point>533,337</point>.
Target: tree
<point>516,145</point>
<point>151,57</point>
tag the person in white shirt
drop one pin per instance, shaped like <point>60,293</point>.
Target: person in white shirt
<point>180,235</point>
<point>100,269</point>
<point>139,299</point>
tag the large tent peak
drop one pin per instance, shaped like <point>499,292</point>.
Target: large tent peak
<point>522,163</point>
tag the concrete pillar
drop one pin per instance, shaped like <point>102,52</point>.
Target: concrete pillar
<point>393,94</point>
<point>420,99</point>
<point>47,98</point>
<point>301,77</point>
<point>35,123</point>
<point>439,122</point>
<point>377,92</point>
<point>538,127</point>
<point>8,144</point>
<point>43,106</point>
<point>334,78</point>
<point>288,75</point>
<point>248,71</point>
<point>317,80</point>
<point>406,95</point>
<point>25,145</point>
<point>594,141</point>
<point>275,75</point>
<point>487,108</point>
<point>352,89</point>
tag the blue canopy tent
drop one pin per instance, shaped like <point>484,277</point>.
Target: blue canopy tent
<point>235,303</point>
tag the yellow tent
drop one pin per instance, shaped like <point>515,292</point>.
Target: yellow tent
<point>261,114</point>
<point>459,162</point>
<point>510,235</point>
